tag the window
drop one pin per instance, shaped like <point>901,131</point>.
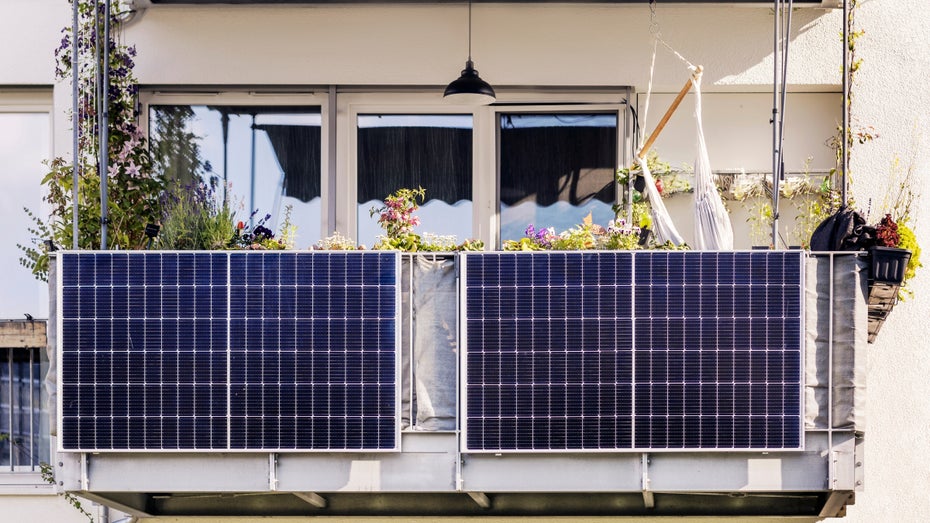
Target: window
<point>24,143</point>
<point>267,157</point>
<point>23,415</point>
<point>416,150</point>
<point>546,158</point>
<point>555,169</point>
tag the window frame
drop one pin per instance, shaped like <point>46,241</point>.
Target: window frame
<point>208,96</point>
<point>624,142</point>
<point>485,149</point>
<point>340,108</point>
<point>355,104</point>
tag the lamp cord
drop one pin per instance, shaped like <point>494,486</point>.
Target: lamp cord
<point>469,31</point>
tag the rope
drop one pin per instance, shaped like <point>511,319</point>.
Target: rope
<point>652,69</point>
<point>656,32</point>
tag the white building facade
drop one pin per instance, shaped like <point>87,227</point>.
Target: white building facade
<point>348,67</point>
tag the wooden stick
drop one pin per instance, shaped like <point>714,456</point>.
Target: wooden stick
<point>668,114</point>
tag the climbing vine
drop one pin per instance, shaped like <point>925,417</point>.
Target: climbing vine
<point>133,190</point>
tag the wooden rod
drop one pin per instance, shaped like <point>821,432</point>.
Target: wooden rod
<point>668,114</point>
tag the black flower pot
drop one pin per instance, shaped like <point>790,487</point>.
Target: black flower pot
<point>888,265</point>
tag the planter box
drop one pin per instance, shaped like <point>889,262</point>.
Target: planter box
<point>886,274</point>
<point>889,264</point>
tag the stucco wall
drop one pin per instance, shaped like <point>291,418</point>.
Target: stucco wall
<point>584,45</point>
<point>29,34</point>
<point>891,95</point>
<point>522,45</point>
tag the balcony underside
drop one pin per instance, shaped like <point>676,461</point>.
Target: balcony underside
<point>446,504</point>
<point>425,480</point>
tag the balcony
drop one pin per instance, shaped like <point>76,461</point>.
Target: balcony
<point>526,384</point>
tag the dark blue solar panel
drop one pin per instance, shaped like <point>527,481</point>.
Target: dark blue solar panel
<point>251,351</point>
<point>615,351</point>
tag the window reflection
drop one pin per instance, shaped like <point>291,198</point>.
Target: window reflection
<point>429,151</point>
<point>268,157</point>
<point>555,169</point>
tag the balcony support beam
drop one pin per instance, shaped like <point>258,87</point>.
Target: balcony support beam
<point>122,507</point>
<point>312,498</point>
<point>481,499</point>
<point>835,507</point>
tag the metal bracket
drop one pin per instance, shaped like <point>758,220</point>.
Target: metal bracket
<point>273,472</point>
<point>649,500</point>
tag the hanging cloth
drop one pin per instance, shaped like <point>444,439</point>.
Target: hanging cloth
<point>662,223</point>
<point>712,228</point>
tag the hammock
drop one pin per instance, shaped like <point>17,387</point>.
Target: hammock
<point>712,228</point>
<point>665,229</point>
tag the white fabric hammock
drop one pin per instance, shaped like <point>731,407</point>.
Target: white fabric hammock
<point>662,224</point>
<point>712,228</point>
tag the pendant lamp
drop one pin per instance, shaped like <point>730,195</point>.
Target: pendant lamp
<point>469,89</point>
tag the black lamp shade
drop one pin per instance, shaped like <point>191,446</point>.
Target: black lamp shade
<point>469,88</point>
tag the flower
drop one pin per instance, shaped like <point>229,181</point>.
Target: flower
<point>396,215</point>
<point>886,232</point>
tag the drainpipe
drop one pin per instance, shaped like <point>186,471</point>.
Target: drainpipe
<point>845,145</point>
<point>776,153</point>
<point>75,126</point>
<point>104,125</point>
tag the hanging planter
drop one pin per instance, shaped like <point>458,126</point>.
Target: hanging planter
<point>889,265</point>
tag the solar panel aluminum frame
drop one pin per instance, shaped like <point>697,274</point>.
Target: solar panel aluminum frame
<point>463,389</point>
<point>59,326</point>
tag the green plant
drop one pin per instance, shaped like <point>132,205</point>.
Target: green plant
<point>396,215</point>
<point>668,180</point>
<point>261,238</point>
<point>336,242</point>
<point>907,240</point>
<point>430,242</point>
<point>619,236</point>
<point>133,189</point>
<point>287,232</point>
<point>577,238</point>
<point>195,218</point>
<point>898,205</point>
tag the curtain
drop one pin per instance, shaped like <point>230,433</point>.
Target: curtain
<point>550,164</point>
<point>297,148</point>
<point>435,158</point>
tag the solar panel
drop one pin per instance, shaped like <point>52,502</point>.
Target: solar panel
<point>632,351</point>
<point>228,351</point>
